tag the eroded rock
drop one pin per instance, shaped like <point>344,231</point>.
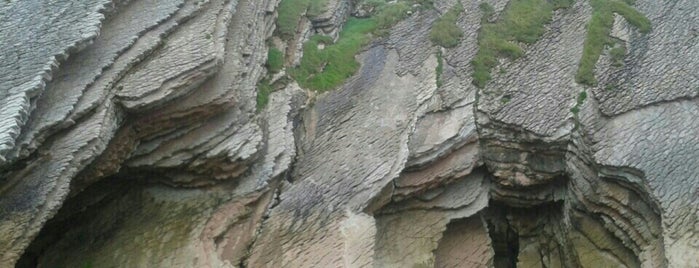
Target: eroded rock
<point>130,136</point>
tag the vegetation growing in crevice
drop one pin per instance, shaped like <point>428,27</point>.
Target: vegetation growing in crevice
<point>264,89</point>
<point>505,99</point>
<point>521,21</point>
<point>444,31</point>
<point>598,30</point>
<point>617,54</point>
<point>440,68</point>
<point>274,64</point>
<point>326,64</point>
<point>580,100</point>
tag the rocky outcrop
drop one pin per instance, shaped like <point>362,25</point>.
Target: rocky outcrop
<point>130,137</point>
<point>164,94</point>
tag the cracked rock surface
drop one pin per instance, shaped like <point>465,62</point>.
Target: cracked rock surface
<point>130,137</point>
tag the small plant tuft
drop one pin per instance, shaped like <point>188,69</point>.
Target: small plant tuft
<point>440,68</point>
<point>617,55</point>
<point>275,60</point>
<point>579,102</point>
<point>444,31</point>
<point>582,97</point>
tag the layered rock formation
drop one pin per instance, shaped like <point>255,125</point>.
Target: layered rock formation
<point>130,137</point>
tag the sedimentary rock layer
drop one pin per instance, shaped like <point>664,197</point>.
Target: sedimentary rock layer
<point>131,136</point>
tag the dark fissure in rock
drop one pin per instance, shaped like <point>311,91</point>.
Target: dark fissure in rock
<point>64,227</point>
<point>504,239</point>
<point>528,236</point>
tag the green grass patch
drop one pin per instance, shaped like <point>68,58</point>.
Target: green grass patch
<point>487,9</point>
<point>598,34</point>
<point>387,15</point>
<point>522,21</point>
<point>444,31</point>
<point>275,60</point>
<point>317,7</point>
<point>635,18</point>
<point>290,13</point>
<point>327,68</point>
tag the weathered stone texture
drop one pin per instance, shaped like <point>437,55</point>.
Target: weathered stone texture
<point>36,36</point>
<point>130,137</point>
<point>99,109</point>
<point>660,66</point>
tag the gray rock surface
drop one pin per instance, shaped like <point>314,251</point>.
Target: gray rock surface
<point>29,62</point>
<point>103,113</point>
<point>130,137</point>
<point>664,60</point>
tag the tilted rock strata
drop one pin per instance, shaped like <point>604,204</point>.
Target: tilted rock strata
<point>107,125</point>
<point>129,136</point>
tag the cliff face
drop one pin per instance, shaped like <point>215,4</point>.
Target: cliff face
<point>132,135</point>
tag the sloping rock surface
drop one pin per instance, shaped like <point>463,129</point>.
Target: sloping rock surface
<point>130,136</point>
